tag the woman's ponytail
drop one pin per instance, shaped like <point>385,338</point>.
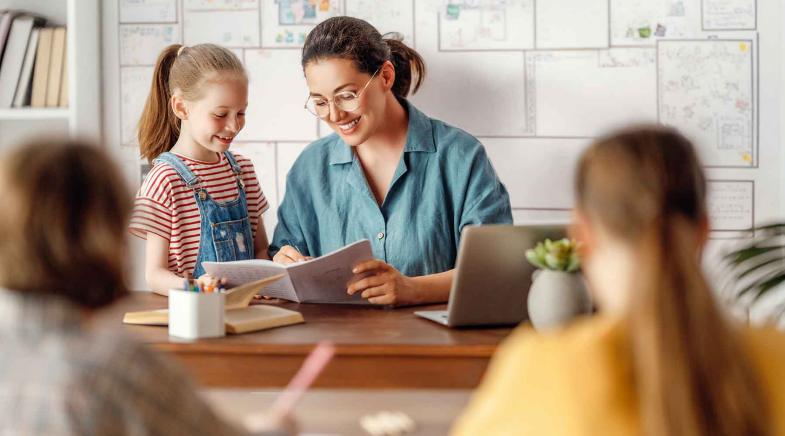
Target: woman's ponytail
<point>159,127</point>
<point>409,66</point>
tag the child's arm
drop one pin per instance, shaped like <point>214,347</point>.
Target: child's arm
<point>156,272</point>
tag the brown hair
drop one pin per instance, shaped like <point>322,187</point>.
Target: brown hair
<point>645,186</point>
<point>183,69</point>
<point>62,229</point>
<point>357,40</point>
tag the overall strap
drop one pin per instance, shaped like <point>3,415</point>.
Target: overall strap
<point>233,162</point>
<point>238,172</point>
<point>182,169</point>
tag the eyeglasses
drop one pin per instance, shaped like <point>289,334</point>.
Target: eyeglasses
<point>347,101</point>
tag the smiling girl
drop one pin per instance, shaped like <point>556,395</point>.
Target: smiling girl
<point>200,202</point>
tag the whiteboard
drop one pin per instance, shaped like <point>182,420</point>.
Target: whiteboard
<point>534,80</point>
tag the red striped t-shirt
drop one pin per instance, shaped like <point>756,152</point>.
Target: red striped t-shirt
<point>166,207</point>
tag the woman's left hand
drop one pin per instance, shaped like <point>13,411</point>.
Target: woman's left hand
<point>381,283</point>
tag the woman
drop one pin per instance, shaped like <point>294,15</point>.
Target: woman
<point>660,358</point>
<point>390,174</point>
<point>62,247</point>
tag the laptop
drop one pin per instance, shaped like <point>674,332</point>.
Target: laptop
<point>492,276</point>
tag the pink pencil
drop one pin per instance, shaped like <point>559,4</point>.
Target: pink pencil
<point>313,365</point>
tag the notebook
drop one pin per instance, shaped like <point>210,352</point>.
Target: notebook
<point>320,280</point>
<point>240,317</point>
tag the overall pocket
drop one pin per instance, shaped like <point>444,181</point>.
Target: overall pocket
<point>233,240</point>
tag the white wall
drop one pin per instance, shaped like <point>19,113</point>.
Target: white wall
<point>545,77</point>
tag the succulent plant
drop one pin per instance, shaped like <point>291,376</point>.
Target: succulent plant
<point>561,255</point>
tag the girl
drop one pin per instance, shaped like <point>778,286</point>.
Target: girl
<point>660,358</point>
<point>199,202</point>
<point>62,259</point>
<point>390,173</point>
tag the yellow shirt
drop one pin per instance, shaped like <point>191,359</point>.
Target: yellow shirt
<point>578,381</point>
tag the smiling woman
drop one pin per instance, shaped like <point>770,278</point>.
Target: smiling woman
<point>391,174</point>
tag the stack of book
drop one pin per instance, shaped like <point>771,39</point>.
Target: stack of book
<point>33,68</point>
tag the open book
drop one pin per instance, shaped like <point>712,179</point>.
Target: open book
<point>240,317</point>
<point>320,280</point>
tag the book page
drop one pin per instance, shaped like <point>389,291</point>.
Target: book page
<point>325,279</point>
<point>245,271</point>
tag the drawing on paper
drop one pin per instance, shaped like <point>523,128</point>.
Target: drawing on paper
<point>730,205</point>
<point>148,11</point>
<point>706,90</point>
<point>306,11</point>
<point>487,25</point>
<point>729,14</point>
<point>643,22</point>
<point>141,43</point>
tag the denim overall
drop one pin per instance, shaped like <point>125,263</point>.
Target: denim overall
<point>226,230</point>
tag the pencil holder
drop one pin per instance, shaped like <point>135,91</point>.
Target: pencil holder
<point>196,314</point>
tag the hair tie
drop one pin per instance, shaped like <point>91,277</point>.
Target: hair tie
<point>180,50</point>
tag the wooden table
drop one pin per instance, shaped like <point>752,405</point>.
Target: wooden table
<point>375,348</point>
<point>328,411</point>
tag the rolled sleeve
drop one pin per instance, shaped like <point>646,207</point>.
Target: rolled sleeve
<point>486,198</point>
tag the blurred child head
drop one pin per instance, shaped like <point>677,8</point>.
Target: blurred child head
<point>641,214</point>
<point>63,224</point>
<point>201,91</point>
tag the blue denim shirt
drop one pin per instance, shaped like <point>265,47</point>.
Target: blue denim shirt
<point>443,182</point>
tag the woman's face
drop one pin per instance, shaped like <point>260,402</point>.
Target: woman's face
<point>327,78</point>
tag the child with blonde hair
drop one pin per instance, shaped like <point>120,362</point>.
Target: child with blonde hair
<point>661,358</point>
<point>200,202</point>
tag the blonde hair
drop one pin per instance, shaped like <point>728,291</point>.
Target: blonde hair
<point>63,224</point>
<point>185,69</point>
<point>645,186</point>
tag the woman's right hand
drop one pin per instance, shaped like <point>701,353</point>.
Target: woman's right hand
<point>288,254</point>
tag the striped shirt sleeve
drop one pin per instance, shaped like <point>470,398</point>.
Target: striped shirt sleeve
<point>153,205</point>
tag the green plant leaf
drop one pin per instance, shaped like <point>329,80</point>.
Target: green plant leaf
<point>744,254</point>
<point>534,259</point>
<point>758,266</point>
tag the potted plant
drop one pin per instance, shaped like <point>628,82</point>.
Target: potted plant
<point>558,293</point>
<point>757,270</point>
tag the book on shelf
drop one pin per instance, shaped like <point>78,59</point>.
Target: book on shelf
<point>56,62</point>
<point>41,69</point>
<point>6,17</point>
<point>17,43</point>
<point>22,96</point>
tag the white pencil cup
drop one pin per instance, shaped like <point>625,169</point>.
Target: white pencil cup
<point>195,315</point>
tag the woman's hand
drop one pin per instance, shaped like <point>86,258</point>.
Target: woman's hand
<point>381,283</point>
<point>288,254</point>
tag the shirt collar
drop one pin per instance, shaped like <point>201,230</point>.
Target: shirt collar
<point>418,138</point>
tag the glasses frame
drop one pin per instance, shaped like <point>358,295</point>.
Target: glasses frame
<point>331,101</point>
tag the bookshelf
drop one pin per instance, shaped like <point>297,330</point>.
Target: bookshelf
<point>82,117</point>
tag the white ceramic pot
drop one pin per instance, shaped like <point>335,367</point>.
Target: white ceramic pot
<point>556,298</point>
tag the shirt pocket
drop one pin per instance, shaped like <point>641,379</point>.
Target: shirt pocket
<point>232,240</point>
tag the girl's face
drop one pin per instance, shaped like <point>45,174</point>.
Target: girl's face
<point>328,77</point>
<point>216,118</point>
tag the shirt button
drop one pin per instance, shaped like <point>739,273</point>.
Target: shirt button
<point>380,235</point>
